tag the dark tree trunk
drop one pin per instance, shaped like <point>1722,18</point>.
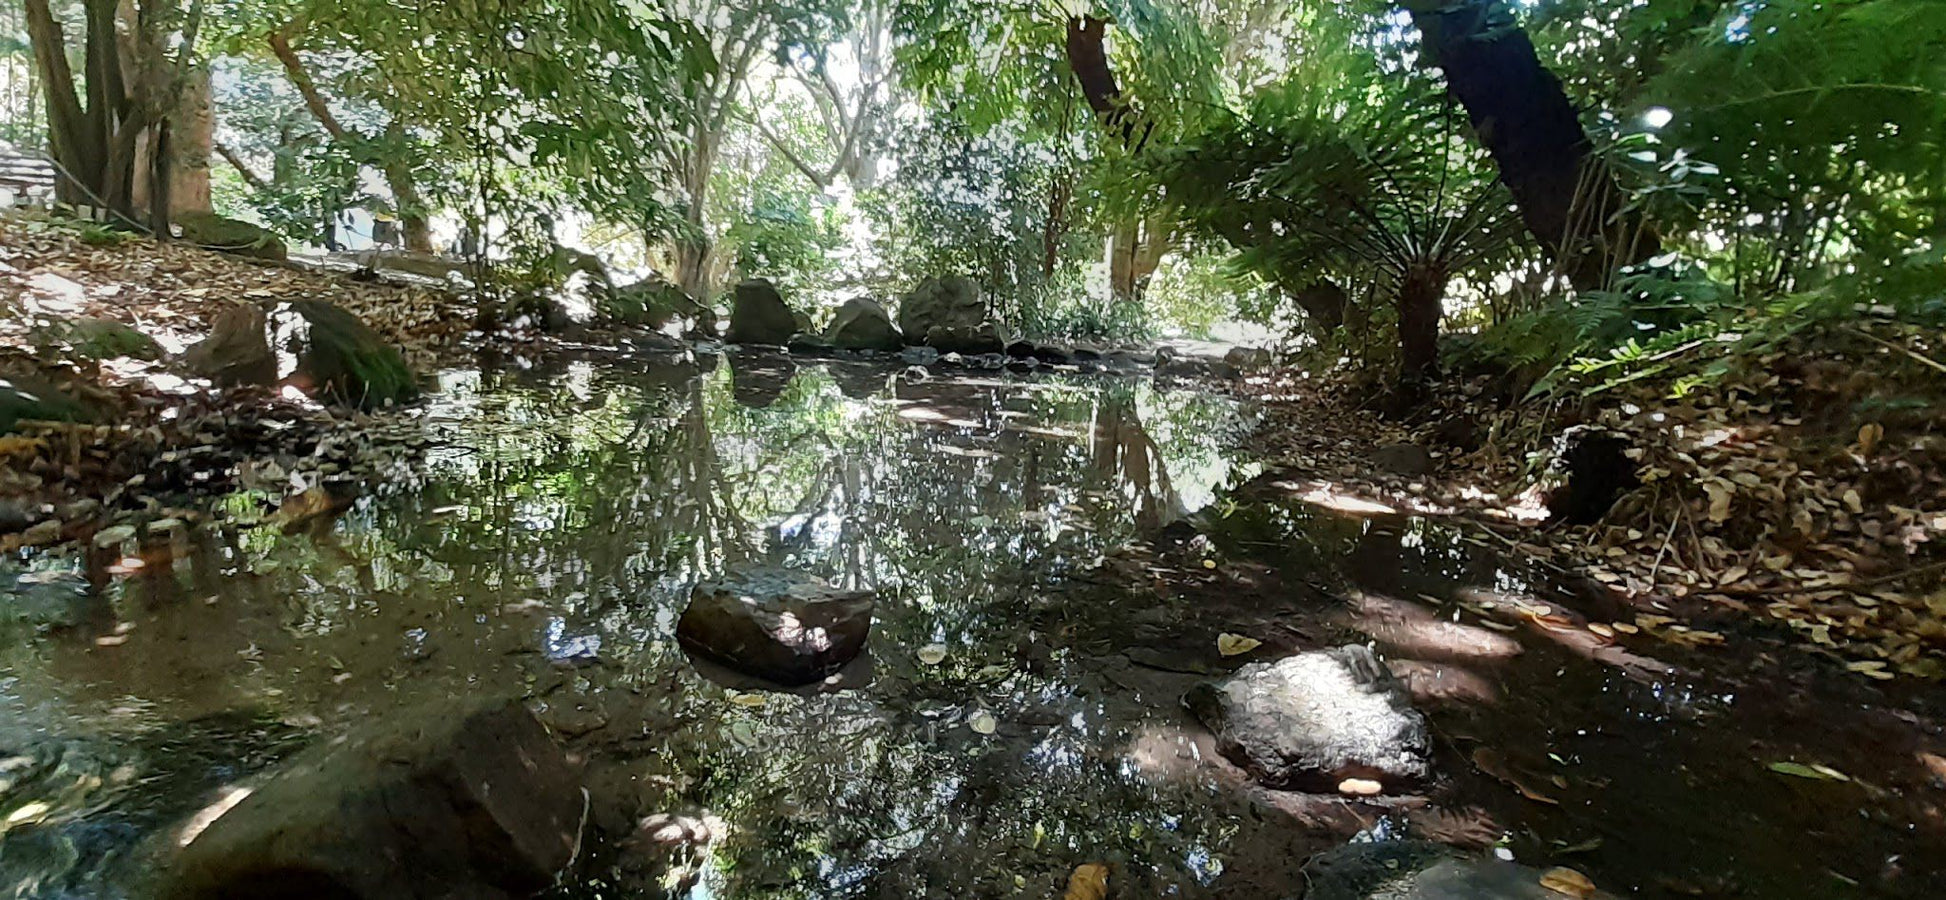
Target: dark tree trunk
<point>1088,57</point>
<point>1422,298</point>
<point>1060,192</point>
<point>1567,197</point>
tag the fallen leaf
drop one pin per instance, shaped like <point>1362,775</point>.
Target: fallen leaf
<point>1235,644</point>
<point>983,723</point>
<point>1360,787</point>
<point>1869,436</point>
<point>1720,497</point>
<point>932,654</point>
<point>1563,880</point>
<point>750,700</point>
<point>1813,772</point>
<point>1087,882</point>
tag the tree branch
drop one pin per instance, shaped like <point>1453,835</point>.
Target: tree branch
<point>301,79</point>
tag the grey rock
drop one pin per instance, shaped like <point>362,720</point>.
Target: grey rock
<point>968,340</point>
<point>863,324</point>
<point>1171,363</point>
<point>776,625</point>
<point>1310,721</point>
<point>431,806</point>
<point>34,398</point>
<point>1248,359</point>
<point>758,315</point>
<point>41,534</point>
<point>1415,870</point>
<point>96,338</point>
<point>952,302</point>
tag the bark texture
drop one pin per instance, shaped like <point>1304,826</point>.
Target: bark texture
<point>1567,197</point>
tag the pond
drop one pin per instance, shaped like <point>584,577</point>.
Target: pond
<point>1054,559</point>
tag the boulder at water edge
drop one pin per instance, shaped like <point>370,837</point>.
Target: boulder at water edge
<point>653,303</point>
<point>339,357</point>
<point>332,355</point>
<point>1311,721</point>
<point>1415,870</point>
<point>969,340</point>
<point>862,324</point>
<point>758,315</point>
<point>953,302</point>
<point>776,625</point>
<point>433,806</point>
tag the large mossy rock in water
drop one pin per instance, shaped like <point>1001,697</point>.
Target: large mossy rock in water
<point>1312,721</point>
<point>339,357</point>
<point>331,354</point>
<point>862,324</point>
<point>432,806</point>
<point>214,232</point>
<point>758,315</point>
<point>1416,870</point>
<point>776,625</point>
<point>951,303</point>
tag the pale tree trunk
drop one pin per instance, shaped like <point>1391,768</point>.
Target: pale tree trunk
<point>191,144</point>
<point>1135,249</point>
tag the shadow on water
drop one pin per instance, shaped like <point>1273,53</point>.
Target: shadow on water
<point>547,545</point>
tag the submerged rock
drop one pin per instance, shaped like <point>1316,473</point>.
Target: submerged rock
<point>952,302</point>
<point>1415,870</point>
<point>482,804</point>
<point>863,324</point>
<point>214,232</point>
<point>758,315</point>
<point>776,625</point>
<point>1309,722</point>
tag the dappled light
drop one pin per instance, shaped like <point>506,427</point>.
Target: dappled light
<point>848,449</point>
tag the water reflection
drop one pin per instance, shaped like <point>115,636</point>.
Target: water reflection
<point>545,551</point>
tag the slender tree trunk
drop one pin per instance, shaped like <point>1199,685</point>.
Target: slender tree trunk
<point>1135,249</point>
<point>1421,302</point>
<point>1060,193</point>
<point>413,222</point>
<point>1567,196</point>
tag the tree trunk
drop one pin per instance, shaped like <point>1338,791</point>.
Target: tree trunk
<point>1567,196</point>
<point>191,133</point>
<point>1054,232</point>
<point>1421,302</point>
<point>1135,249</point>
<point>1088,58</point>
<point>411,208</point>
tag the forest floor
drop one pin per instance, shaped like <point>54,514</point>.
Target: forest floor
<point>97,319</point>
<point>1803,493</point>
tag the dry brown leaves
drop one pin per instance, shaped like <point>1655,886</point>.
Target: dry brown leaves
<point>1805,490</point>
<point>172,290</point>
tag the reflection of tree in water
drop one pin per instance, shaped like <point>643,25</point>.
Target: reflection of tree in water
<point>574,509</point>
<point>1127,455</point>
